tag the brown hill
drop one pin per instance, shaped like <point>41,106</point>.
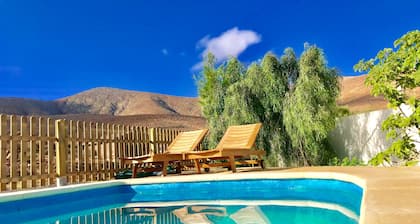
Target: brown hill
<point>124,102</point>
<point>106,101</point>
<point>355,95</point>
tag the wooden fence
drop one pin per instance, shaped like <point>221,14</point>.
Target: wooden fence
<point>36,150</point>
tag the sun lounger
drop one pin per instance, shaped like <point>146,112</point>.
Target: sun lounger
<point>184,143</point>
<point>237,142</point>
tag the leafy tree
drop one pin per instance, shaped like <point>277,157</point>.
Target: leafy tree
<point>310,109</point>
<point>258,97</point>
<point>212,86</point>
<point>289,67</point>
<point>392,73</point>
<point>231,95</point>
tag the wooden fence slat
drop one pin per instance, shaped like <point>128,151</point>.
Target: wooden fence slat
<point>13,150</point>
<point>79,152</point>
<point>41,148</point>
<point>96,153</point>
<point>3,151</point>
<point>91,146</point>
<point>102,153</point>
<point>32,150</point>
<point>60,148</point>
<point>114,162</point>
<point>50,149</point>
<point>85,150</point>
<point>73,150</point>
<point>23,151</point>
<point>107,153</point>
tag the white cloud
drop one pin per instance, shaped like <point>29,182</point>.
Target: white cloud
<point>231,43</point>
<point>165,51</point>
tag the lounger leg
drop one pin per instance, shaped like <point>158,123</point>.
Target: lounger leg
<point>197,165</point>
<point>164,167</point>
<point>134,171</point>
<point>232,163</point>
<point>261,162</point>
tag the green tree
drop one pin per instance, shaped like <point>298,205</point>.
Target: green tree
<point>212,87</point>
<point>258,97</point>
<point>392,73</point>
<point>310,109</point>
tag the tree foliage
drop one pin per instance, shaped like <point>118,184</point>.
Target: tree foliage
<point>310,110</point>
<point>232,94</point>
<point>392,74</point>
<point>258,97</point>
<point>212,86</point>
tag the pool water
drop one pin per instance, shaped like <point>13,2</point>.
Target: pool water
<point>231,214</point>
<point>239,201</point>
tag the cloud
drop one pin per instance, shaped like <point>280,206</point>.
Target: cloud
<point>165,51</point>
<point>231,43</point>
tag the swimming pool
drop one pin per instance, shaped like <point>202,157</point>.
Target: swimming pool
<point>225,201</point>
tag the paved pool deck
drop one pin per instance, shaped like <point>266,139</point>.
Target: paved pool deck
<point>391,195</point>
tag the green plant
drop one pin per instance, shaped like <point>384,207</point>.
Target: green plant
<point>310,109</point>
<point>293,98</point>
<point>392,74</point>
<point>346,162</point>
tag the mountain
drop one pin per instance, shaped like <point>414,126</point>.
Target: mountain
<point>355,95</point>
<point>105,101</point>
<point>136,105</point>
<point>112,101</point>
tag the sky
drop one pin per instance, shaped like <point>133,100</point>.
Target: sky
<point>51,49</point>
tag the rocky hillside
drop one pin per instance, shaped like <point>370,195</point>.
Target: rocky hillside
<point>112,101</point>
<point>106,101</point>
<point>355,95</point>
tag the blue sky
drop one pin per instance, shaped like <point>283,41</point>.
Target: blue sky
<point>52,49</point>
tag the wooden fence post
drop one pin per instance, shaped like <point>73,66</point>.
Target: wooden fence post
<point>61,152</point>
<point>152,141</point>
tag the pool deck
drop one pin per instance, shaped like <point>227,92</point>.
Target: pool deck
<point>391,195</point>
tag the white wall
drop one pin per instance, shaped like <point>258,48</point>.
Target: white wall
<point>360,135</point>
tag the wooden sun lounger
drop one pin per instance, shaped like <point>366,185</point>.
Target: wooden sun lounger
<point>237,142</point>
<point>185,142</point>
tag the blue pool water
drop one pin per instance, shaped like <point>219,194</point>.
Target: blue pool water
<point>242,201</point>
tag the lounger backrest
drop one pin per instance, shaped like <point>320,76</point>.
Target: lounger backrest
<point>187,141</point>
<point>239,137</point>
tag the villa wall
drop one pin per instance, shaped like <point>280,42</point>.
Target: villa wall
<point>361,136</point>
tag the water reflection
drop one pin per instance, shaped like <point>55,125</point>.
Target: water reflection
<point>205,214</point>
